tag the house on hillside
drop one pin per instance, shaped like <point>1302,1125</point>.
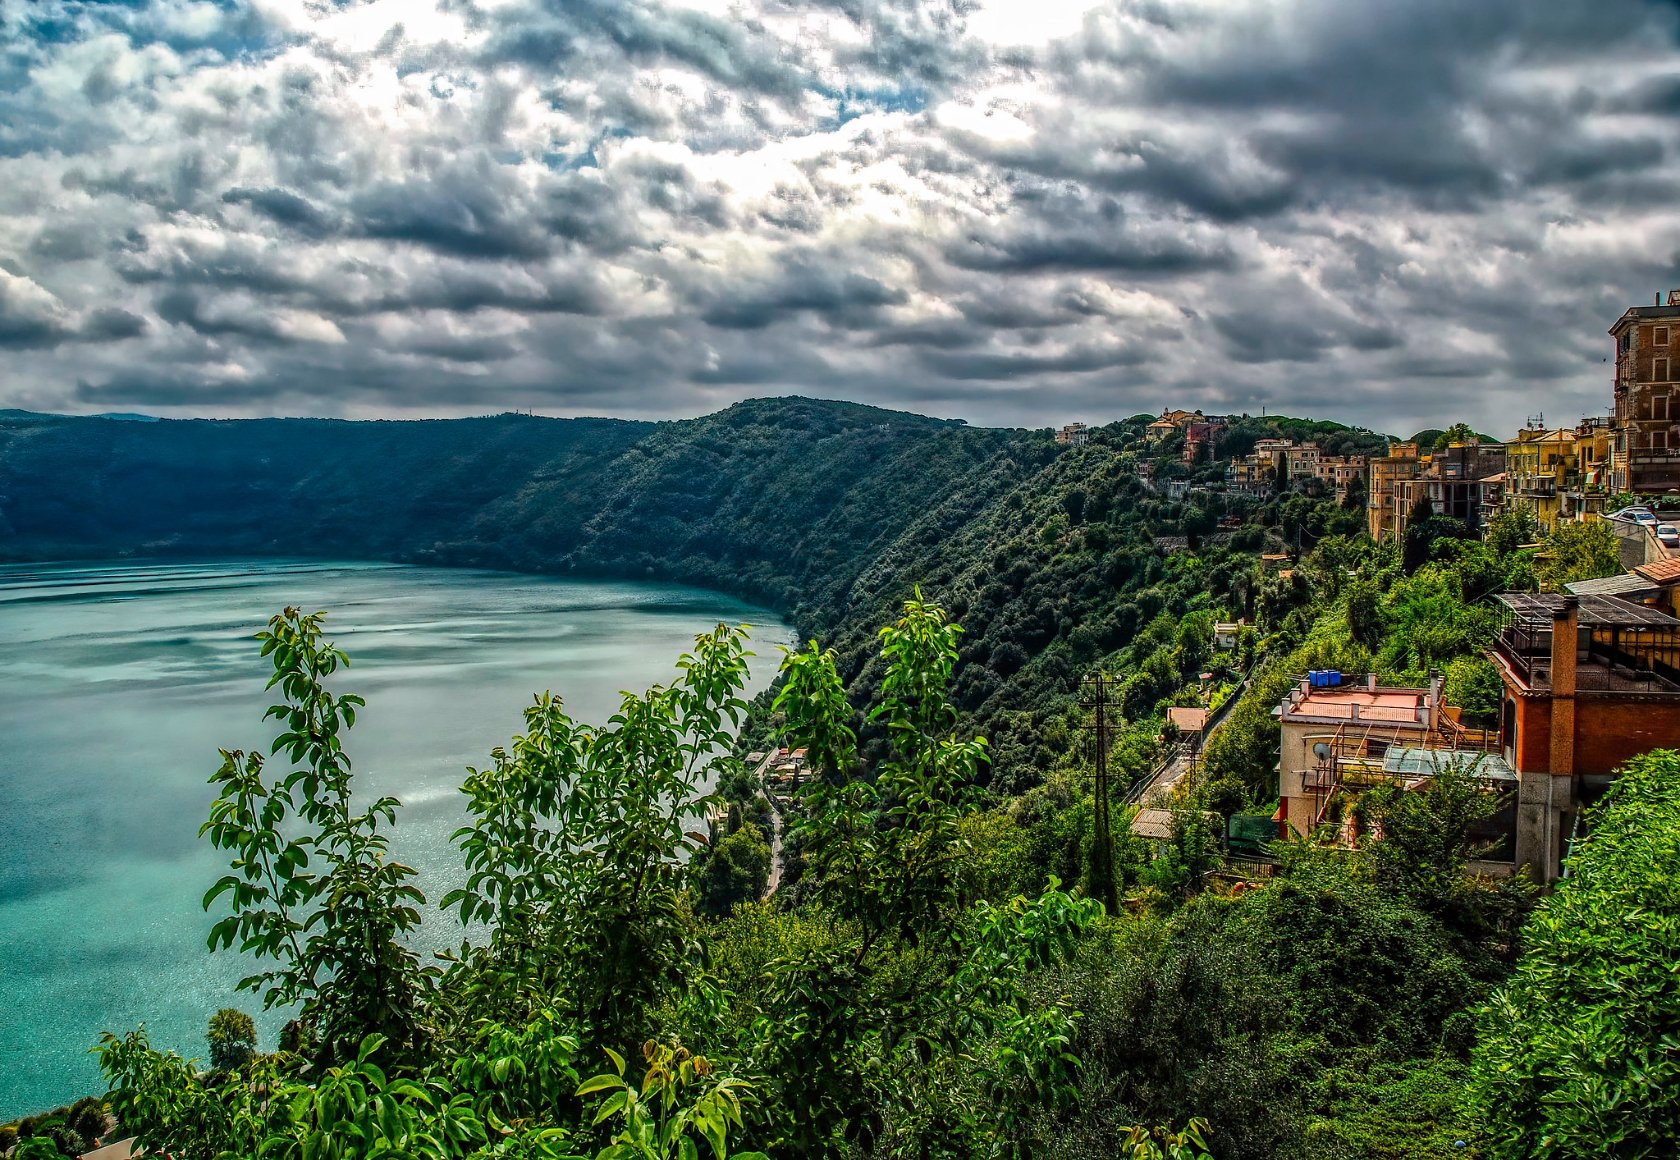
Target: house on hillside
<point>1340,737</point>
<point>1169,422</point>
<point>1589,681</point>
<point>1189,724</point>
<point>1200,438</point>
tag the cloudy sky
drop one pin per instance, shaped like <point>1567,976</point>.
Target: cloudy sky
<point>1396,213</point>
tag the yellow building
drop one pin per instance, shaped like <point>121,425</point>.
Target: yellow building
<point>1540,466</point>
<point>1384,508</point>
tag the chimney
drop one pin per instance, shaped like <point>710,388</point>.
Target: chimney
<point>1566,639</point>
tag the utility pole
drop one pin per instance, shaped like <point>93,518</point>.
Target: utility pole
<point>1103,885</point>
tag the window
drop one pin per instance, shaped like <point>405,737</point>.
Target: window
<point>1659,370</point>
<point>1659,336</point>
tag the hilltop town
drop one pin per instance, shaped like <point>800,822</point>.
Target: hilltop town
<point>1563,719</point>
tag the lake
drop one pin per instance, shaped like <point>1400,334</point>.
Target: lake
<point>118,683</point>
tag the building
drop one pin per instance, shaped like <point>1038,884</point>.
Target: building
<point>1189,723</point>
<point>1302,461</point>
<point>1595,469</point>
<point>1250,474</point>
<point>1340,738</point>
<point>1199,439</point>
<point>1646,421</point>
<point>1171,421</point>
<point>1073,435</point>
<point>1589,682</point>
<point>1540,467</point>
<point>1339,474</point>
<point>1456,482</point>
<point>1385,508</point>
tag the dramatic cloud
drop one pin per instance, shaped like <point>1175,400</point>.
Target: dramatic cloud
<point>1398,214</point>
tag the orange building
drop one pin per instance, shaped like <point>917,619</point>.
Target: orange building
<point>1589,681</point>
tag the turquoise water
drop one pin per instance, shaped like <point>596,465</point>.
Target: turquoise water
<point>117,685</point>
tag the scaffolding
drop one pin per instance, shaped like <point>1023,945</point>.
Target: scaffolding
<point>1361,754</point>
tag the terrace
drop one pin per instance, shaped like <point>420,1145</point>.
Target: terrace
<point>1621,647</point>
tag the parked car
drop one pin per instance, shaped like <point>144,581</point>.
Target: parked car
<point>1638,515</point>
<point>1668,535</point>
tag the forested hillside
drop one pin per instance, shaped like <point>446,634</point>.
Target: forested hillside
<point>780,500</point>
<point>831,513</point>
<point>952,964</point>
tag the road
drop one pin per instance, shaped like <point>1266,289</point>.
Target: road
<point>1169,773</point>
<point>776,824</point>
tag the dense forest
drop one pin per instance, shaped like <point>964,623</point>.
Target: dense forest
<point>936,976</point>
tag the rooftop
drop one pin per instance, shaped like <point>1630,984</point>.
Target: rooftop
<point>1639,313</point>
<point>1188,720</point>
<point>1620,646</point>
<point>1358,703</point>
<point>1660,571</point>
<point>1410,762</point>
<point>1541,609</point>
<point>1628,585</point>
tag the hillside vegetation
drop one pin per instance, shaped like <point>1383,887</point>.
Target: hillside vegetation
<point>937,975</point>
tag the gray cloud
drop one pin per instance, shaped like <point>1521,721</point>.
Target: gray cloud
<point>647,208</point>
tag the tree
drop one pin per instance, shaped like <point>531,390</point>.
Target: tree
<point>736,872</point>
<point>1510,530</point>
<point>340,938</point>
<point>1473,684</point>
<point>1457,433</point>
<point>1585,550</point>
<point>1577,1054</point>
<point>233,1039</point>
<point>578,851</point>
<point>1364,614</point>
<point>1423,531</point>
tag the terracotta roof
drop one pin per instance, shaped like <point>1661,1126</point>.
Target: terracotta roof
<point>1188,720</point>
<point>1660,571</point>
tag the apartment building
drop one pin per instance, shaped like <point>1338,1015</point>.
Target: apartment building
<point>1465,481</point>
<point>1646,420</point>
<point>1540,466</point>
<point>1385,505</point>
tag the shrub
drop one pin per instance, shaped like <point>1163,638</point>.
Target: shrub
<point>1578,1054</point>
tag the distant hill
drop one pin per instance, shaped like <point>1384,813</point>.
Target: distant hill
<point>771,498</point>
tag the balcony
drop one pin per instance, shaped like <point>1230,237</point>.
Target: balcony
<point>1621,647</point>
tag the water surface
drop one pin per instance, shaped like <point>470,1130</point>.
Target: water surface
<point>119,682</point>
